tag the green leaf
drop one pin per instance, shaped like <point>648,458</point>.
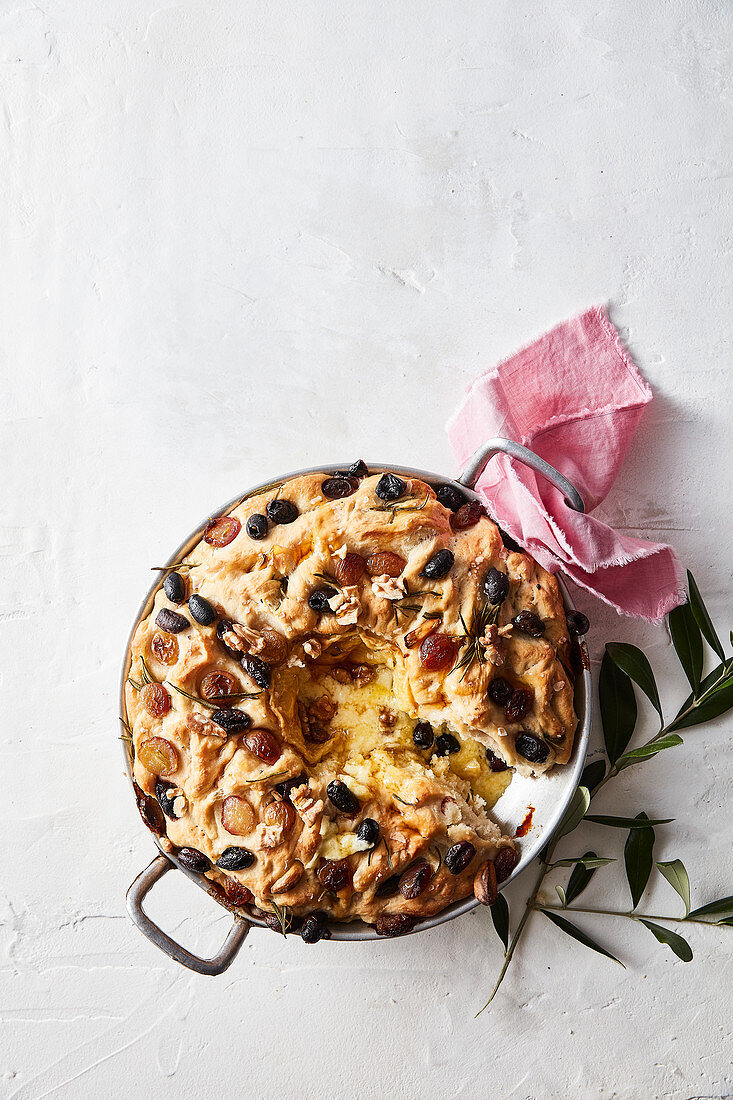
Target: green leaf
<point>634,663</point>
<point>702,618</point>
<point>581,937</point>
<point>592,774</point>
<point>580,878</point>
<point>722,905</point>
<point>628,822</point>
<point>680,947</point>
<point>717,687</point>
<point>587,861</point>
<point>645,752</point>
<point>687,641</point>
<point>500,917</point>
<point>727,920</point>
<point>618,708</point>
<point>639,858</point>
<point>575,812</point>
<point>561,894</point>
<point>678,879</point>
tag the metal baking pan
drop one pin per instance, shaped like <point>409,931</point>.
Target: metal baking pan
<point>548,794</point>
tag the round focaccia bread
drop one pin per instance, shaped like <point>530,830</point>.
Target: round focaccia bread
<point>328,696</point>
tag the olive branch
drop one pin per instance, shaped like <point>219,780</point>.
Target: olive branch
<point>623,666</point>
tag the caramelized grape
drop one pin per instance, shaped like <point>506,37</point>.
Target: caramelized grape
<point>164,648</point>
<point>215,684</point>
<point>385,564</point>
<point>273,647</point>
<point>281,814</point>
<point>350,568</point>
<point>236,893</point>
<point>222,530</point>
<point>335,874</point>
<point>416,879</point>
<point>519,705</point>
<point>395,924</point>
<point>263,745</point>
<point>149,811</point>
<point>436,652</point>
<point>158,756</point>
<point>467,516</point>
<point>156,700</point>
<point>505,860</point>
<point>237,816</point>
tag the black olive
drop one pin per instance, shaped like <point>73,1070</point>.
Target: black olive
<point>149,811</point>
<point>286,788</point>
<point>458,856</point>
<point>422,735</point>
<point>390,886</point>
<point>231,719</point>
<point>358,468</point>
<point>447,744</point>
<point>333,488</point>
<point>224,626</point>
<point>170,621</point>
<point>318,599</point>
<point>531,748</point>
<point>519,705</point>
<point>193,860</point>
<point>500,691</point>
<point>450,497</point>
<point>201,610</point>
<point>235,859</point>
<point>257,669</point>
<point>390,487</point>
<point>166,802</point>
<point>496,586</point>
<point>368,831</point>
<point>495,762</point>
<point>342,798</point>
<point>315,927</point>
<point>529,623</point>
<point>174,587</point>
<point>415,879</point>
<point>578,623</point>
<point>281,511</point>
<point>438,566</point>
<point>256,526</point>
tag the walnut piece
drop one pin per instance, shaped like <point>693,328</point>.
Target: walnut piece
<point>385,587</point>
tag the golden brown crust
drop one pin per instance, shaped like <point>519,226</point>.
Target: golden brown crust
<point>423,803</point>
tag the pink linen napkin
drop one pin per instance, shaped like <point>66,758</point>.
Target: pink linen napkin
<point>575,398</point>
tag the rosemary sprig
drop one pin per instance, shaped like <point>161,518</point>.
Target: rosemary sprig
<point>398,799</point>
<point>397,507</point>
<point>180,568</point>
<point>146,678</point>
<point>483,616</point>
<point>213,703</point>
<point>284,915</point>
<point>710,698</point>
<point>330,581</point>
<point>401,607</point>
<point>262,778</point>
<point>127,736</point>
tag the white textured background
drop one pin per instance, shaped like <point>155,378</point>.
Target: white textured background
<point>238,238</point>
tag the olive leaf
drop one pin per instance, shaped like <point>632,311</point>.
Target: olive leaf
<point>580,878</point>
<point>587,861</point>
<point>677,877</point>
<point>635,664</point>
<point>500,917</point>
<point>618,707</point>
<point>575,812</point>
<point>639,858</point>
<point>561,894</point>
<point>581,937</point>
<point>645,752</point>
<point>592,774</point>
<point>713,908</point>
<point>702,618</point>
<point>680,947</point>
<point>714,697</point>
<point>628,822</point>
<point>687,641</point>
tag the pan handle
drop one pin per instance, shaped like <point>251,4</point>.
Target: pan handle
<point>479,460</point>
<point>135,898</point>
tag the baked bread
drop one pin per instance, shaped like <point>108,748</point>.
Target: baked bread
<point>330,692</point>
